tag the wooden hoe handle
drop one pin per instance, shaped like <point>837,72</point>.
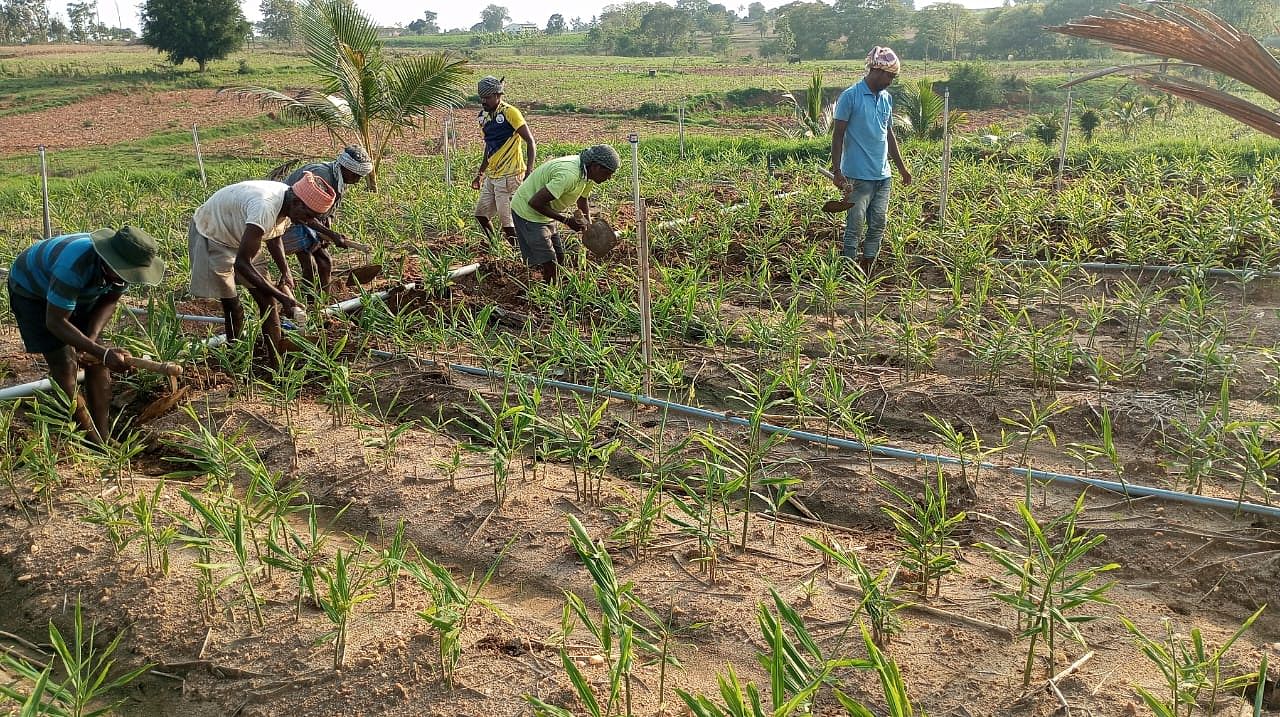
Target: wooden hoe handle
<point>164,367</point>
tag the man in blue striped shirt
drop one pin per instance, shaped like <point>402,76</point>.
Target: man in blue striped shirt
<point>63,291</point>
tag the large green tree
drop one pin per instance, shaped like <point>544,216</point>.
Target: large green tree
<point>556,24</point>
<point>80,15</point>
<point>867,23</point>
<point>426,25</point>
<point>364,95</point>
<point>942,29</point>
<point>200,30</point>
<point>24,21</point>
<point>1018,32</point>
<point>665,30</point>
<point>493,17</point>
<point>807,29</point>
<point>279,19</point>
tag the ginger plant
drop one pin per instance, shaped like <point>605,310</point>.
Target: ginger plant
<point>1051,583</point>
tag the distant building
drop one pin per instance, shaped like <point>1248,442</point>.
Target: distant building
<point>518,27</point>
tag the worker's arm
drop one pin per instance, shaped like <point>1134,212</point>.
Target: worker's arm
<point>838,128</point>
<point>275,247</point>
<point>339,240</point>
<point>897,159</point>
<point>58,321</point>
<point>102,313</point>
<point>484,164</point>
<point>585,208</point>
<point>530,149</point>
<point>250,244</point>
<point>541,203</point>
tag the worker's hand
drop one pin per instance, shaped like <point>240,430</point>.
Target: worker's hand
<point>838,179</point>
<point>341,241</point>
<point>475,182</point>
<point>286,283</point>
<point>288,306</point>
<point>575,224</point>
<point>117,360</point>
<point>906,176</point>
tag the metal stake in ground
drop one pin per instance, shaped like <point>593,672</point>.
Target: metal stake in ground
<point>1062,149</point>
<point>44,193</point>
<point>195,138</point>
<point>946,157</point>
<point>680,118</point>
<point>448,159</point>
<point>642,257</point>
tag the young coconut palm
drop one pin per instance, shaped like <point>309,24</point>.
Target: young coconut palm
<point>1197,38</point>
<point>919,112</point>
<point>364,97</point>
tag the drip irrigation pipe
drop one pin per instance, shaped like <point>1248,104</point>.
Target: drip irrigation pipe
<point>1132,490</point>
<point>24,390</point>
<point>1145,268</point>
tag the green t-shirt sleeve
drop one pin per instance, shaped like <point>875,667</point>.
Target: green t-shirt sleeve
<point>563,180</point>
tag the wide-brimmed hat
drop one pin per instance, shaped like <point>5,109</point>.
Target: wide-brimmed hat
<point>131,253</point>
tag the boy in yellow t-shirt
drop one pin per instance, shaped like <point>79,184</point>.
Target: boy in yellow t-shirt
<point>504,166</point>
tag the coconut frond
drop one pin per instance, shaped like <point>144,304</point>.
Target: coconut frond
<point>419,84</point>
<point>1242,111</point>
<point>338,34</point>
<point>310,107</point>
<point>1185,33</point>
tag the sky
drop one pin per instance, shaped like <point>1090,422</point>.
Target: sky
<point>451,14</point>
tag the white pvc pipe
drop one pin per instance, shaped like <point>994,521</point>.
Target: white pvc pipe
<point>22,390</point>
<point>351,304</point>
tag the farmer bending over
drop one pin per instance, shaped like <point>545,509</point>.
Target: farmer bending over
<point>228,231</point>
<point>861,145</point>
<point>304,241</point>
<point>63,291</point>
<point>504,167</point>
<point>550,191</point>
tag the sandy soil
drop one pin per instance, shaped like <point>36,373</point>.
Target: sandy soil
<point>1192,566</point>
<point>119,117</point>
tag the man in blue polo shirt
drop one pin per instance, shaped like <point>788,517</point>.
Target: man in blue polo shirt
<point>63,291</point>
<point>862,144</point>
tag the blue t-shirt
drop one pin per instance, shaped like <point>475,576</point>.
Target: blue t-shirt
<point>866,139</point>
<point>64,271</point>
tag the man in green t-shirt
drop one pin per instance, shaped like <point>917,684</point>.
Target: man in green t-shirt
<point>551,191</point>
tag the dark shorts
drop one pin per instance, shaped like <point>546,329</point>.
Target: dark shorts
<point>299,239</point>
<point>30,314</point>
<point>539,243</point>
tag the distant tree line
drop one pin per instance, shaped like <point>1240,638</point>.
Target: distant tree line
<point>656,28</point>
<point>29,21</point>
<point>948,30</point>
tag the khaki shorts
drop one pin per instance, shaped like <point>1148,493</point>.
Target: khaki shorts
<point>495,198</point>
<point>213,266</point>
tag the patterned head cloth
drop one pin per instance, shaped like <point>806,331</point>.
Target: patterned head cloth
<point>489,86</point>
<point>314,192</point>
<point>356,159</point>
<point>601,154</point>
<point>883,58</point>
